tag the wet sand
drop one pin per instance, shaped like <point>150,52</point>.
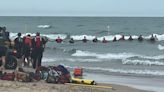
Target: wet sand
<point>41,86</point>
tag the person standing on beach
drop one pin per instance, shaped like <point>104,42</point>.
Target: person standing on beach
<point>27,40</point>
<point>3,49</point>
<point>19,48</point>
<point>38,45</point>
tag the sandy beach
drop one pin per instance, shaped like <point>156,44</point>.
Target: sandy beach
<point>41,86</point>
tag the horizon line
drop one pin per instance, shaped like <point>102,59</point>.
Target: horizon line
<point>69,16</point>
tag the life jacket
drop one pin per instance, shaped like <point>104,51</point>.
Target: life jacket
<point>59,40</point>
<point>104,41</point>
<point>38,41</point>
<point>27,40</point>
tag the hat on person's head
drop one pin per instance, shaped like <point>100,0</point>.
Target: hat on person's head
<point>29,35</point>
<point>19,34</point>
<point>37,34</point>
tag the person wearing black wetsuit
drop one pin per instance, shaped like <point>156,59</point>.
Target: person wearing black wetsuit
<point>130,38</point>
<point>19,46</point>
<point>95,39</point>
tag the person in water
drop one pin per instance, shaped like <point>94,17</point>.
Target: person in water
<point>85,39</point>
<point>140,38</point>
<point>104,40</point>
<point>122,38</point>
<point>152,38</point>
<point>130,38</point>
<point>58,40</point>
<point>115,39</point>
<point>71,40</point>
<point>95,39</point>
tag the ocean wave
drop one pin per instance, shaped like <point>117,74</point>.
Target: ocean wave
<point>141,62</point>
<point>50,59</point>
<point>160,47</point>
<point>44,26</point>
<point>80,53</point>
<point>141,72</point>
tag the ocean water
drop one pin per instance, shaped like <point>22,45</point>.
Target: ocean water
<point>122,59</point>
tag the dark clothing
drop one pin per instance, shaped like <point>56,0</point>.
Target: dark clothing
<point>71,41</point>
<point>130,38</point>
<point>114,39</point>
<point>84,40</point>
<point>37,55</point>
<point>37,51</point>
<point>152,39</point>
<point>19,47</point>
<point>3,50</point>
<point>140,38</point>
<point>95,40</point>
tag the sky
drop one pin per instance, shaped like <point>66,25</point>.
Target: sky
<point>150,8</point>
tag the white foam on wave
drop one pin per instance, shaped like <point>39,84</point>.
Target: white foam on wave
<point>142,72</point>
<point>80,53</point>
<point>50,59</point>
<point>141,62</point>
<point>160,47</point>
<point>102,56</point>
<point>44,26</point>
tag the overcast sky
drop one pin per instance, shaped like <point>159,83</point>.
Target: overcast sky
<point>82,8</point>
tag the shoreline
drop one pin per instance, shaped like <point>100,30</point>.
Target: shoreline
<point>41,86</point>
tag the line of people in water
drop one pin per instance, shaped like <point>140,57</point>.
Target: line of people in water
<point>140,38</point>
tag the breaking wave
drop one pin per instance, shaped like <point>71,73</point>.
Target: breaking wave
<point>126,58</point>
<point>142,72</point>
<point>160,47</point>
<point>80,53</point>
<point>142,62</point>
<point>44,26</point>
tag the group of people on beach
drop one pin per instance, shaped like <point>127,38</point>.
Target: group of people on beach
<point>140,38</point>
<point>29,49</point>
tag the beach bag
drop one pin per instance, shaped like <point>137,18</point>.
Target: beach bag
<point>24,77</point>
<point>63,74</point>
<point>8,76</point>
<point>53,76</point>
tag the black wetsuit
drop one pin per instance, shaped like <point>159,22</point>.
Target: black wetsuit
<point>130,38</point>
<point>71,41</point>
<point>140,38</point>
<point>84,40</point>
<point>19,46</point>
<point>37,52</point>
<point>95,40</point>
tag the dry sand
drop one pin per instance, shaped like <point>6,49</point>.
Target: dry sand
<point>41,86</point>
